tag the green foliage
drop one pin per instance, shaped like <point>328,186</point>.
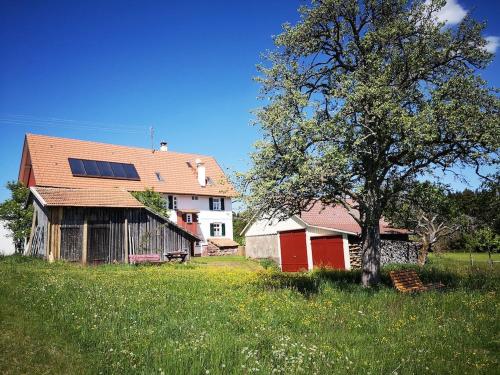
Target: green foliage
<point>362,98</point>
<point>65,318</point>
<point>240,220</point>
<point>482,205</point>
<point>483,240</point>
<point>153,200</point>
<point>17,217</point>
<point>269,264</point>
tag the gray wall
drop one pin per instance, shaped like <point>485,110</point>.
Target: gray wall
<point>392,251</point>
<point>265,246</point>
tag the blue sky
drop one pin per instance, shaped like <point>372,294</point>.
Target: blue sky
<point>108,70</point>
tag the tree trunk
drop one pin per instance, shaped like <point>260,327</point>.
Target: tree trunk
<point>370,247</point>
<point>424,252</point>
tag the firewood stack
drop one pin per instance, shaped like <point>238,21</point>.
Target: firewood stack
<point>355,255</point>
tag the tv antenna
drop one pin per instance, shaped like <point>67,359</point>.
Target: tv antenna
<point>152,136</point>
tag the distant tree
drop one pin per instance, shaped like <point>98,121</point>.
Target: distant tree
<point>483,240</point>
<point>425,209</point>
<point>153,200</point>
<point>16,215</point>
<point>362,97</point>
<point>240,220</point>
<point>483,205</point>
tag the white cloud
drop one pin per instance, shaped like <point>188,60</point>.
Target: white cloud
<point>451,14</point>
<point>493,42</point>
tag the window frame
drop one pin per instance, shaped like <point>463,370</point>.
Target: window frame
<point>189,218</point>
<point>217,225</point>
<point>218,201</point>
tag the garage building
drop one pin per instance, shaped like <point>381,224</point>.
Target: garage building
<point>322,236</point>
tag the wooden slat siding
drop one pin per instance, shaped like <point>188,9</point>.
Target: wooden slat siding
<point>107,234</point>
<point>125,240</point>
<point>72,234</point>
<point>84,238</point>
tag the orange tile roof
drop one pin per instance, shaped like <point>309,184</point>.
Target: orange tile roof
<point>338,217</point>
<point>59,197</point>
<point>49,158</point>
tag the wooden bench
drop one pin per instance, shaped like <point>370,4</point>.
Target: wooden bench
<point>177,255</point>
<point>407,281</point>
<point>144,258</point>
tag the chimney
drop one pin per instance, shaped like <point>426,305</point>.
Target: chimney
<point>200,168</point>
<point>163,146</point>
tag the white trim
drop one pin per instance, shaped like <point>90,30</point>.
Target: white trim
<point>38,196</point>
<point>310,264</point>
<point>334,230</point>
<point>279,251</point>
<point>347,258</point>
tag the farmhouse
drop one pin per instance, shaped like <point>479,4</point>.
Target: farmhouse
<point>322,236</point>
<point>84,209</point>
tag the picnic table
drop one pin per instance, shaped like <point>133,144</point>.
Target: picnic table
<point>177,255</point>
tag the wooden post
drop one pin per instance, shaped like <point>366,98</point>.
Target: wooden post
<point>32,233</point>
<point>84,240</point>
<point>125,244</point>
<point>58,232</point>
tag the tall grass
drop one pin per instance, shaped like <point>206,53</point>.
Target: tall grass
<point>205,319</point>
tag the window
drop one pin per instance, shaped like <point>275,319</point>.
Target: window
<point>103,169</point>
<point>172,202</point>
<point>216,204</point>
<point>159,177</point>
<point>217,230</point>
<point>189,218</point>
<point>194,198</point>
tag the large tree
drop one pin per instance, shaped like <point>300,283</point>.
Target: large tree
<point>362,97</point>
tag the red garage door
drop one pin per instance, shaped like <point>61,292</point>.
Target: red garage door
<point>293,251</point>
<point>328,252</point>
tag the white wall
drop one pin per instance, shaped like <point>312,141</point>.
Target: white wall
<point>206,216</point>
<point>6,243</point>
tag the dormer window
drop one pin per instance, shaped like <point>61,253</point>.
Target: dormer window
<point>189,218</point>
<point>159,177</point>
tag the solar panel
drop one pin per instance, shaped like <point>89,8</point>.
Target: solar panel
<point>76,167</point>
<point>103,169</point>
<point>130,171</point>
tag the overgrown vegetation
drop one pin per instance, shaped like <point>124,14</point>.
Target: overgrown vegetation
<point>16,215</point>
<point>153,200</point>
<point>206,318</point>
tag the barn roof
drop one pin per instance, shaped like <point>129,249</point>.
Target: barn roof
<point>61,197</point>
<point>50,165</point>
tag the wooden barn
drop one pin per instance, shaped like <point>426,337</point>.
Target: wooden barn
<point>94,226</point>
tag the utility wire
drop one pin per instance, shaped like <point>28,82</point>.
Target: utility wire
<point>27,121</point>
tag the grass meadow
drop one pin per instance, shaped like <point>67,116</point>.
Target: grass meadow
<point>231,316</point>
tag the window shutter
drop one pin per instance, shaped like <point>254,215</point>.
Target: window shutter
<point>211,230</point>
<point>195,218</point>
<point>184,218</point>
<point>170,202</point>
<point>211,203</point>
<point>223,229</point>
<point>222,204</point>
